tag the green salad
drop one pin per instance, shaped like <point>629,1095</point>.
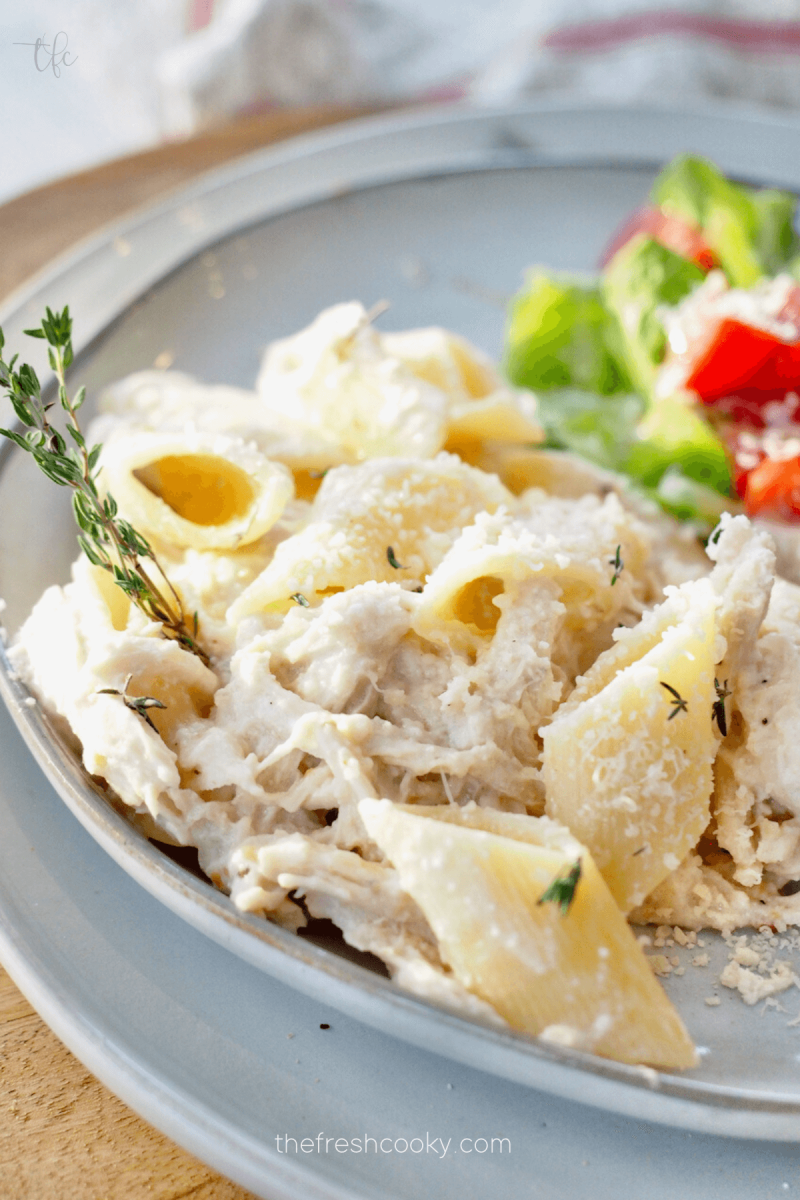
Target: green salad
<point>678,364</point>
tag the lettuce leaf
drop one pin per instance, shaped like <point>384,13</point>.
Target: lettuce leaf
<point>671,453</point>
<point>674,436</point>
<point>689,500</point>
<point>641,277</point>
<point>561,335</point>
<point>750,231</point>
<point>601,429</point>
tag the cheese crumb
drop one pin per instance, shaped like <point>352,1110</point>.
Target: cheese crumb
<point>753,987</point>
<point>563,1035</point>
<point>746,957</point>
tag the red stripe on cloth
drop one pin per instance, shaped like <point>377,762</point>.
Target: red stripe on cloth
<point>442,93</point>
<point>200,14</point>
<point>770,37</point>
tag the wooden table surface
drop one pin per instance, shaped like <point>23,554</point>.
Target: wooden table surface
<point>63,1135</point>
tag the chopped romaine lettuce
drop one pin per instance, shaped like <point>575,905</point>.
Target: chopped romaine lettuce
<point>641,277</point>
<point>689,500</point>
<point>750,231</point>
<point>776,241</point>
<point>601,429</point>
<point>561,335</point>
<point>671,452</point>
<point>674,435</point>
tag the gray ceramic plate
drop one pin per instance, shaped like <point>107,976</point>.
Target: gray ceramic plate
<point>439,213</point>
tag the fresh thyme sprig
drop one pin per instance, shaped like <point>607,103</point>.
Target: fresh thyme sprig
<point>106,539</point>
<point>718,707</point>
<point>561,890</point>
<point>137,704</point>
<point>680,705</point>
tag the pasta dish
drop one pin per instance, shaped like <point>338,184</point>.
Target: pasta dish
<point>473,697</point>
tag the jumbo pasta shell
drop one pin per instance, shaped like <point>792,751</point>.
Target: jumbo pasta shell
<point>193,489</point>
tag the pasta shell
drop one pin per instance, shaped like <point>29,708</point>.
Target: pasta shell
<point>336,380</point>
<point>413,509</point>
<point>192,489</point>
<point>480,404</point>
<point>481,877</point>
<point>628,761</point>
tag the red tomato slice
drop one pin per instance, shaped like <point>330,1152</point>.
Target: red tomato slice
<point>784,375</point>
<point>734,357</point>
<point>673,232</point>
<point>740,372</point>
<point>773,489</point>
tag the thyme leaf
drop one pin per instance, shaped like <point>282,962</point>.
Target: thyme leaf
<point>618,565</point>
<point>299,598</point>
<point>680,705</point>
<point>107,541</point>
<point>392,559</point>
<point>137,704</point>
<point>561,890</point>
<point>718,707</point>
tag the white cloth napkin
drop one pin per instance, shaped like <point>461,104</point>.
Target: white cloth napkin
<point>145,70</point>
<point>242,55</point>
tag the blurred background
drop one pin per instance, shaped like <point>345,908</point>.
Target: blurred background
<point>85,81</point>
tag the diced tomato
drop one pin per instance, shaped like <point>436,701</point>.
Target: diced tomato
<point>773,489</point>
<point>734,359</point>
<point>780,374</point>
<point>730,358</point>
<point>671,231</point>
<point>750,380</point>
